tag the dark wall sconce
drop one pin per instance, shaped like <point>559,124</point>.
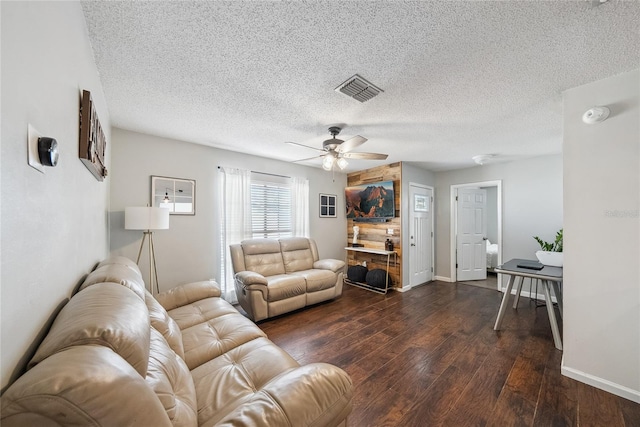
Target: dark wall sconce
<point>42,150</point>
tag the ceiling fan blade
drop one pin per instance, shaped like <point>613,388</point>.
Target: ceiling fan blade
<point>351,143</point>
<point>365,156</point>
<point>309,158</point>
<point>302,145</point>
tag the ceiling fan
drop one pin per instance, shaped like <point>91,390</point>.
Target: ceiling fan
<point>336,151</point>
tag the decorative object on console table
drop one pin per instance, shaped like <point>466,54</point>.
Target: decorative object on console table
<point>356,232</point>
<point>328,206</point>
<point>147,219</point>
<point>551,252</point>
<point>177,195</point>
<point>93,144</point>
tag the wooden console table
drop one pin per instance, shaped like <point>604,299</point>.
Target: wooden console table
<point>376,252</point>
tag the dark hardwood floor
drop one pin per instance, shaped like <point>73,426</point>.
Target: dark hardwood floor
<point>430,357</point>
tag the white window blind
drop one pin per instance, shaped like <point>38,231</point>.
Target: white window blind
<point>271,213</point>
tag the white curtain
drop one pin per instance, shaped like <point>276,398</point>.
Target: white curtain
<point>235,221</point>
<point>300,206</point>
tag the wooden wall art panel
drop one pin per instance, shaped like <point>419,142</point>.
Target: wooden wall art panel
<point>93,144</point>
<point>374,234</point>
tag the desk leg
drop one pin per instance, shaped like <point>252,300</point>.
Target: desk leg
<point>552,316</point>
<point>519,282</point>
<point>504,303</point>
<point>556,290</point>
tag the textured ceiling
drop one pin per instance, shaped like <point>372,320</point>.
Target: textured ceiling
<point>459,78</point>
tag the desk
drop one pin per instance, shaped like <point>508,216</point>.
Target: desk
<point>550,276</point>
<point>371,251</point>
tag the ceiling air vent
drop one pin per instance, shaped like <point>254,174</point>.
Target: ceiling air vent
<point>359,89</point>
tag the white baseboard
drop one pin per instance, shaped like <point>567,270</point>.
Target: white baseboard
<point>602,384</point>
<point>443,279</point>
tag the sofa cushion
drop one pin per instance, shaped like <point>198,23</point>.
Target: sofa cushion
<point>240,373</point>
<point>164,324</point>
<point>116,273</point>
<point>171,380</point>
<point>317,394</point>
<point>285,286</point>
<point>200,312</point>
<point>105,314</point>
<point>188,293</point>
<point>296,254</point>
<point>318,280</point>
<point>208,340</point>
<point>87,385</point>
<point>263,256</point>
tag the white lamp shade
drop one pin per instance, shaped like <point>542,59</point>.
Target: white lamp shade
<point>146,218</point>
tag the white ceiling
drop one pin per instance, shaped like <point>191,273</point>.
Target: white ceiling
<point>459,78</point>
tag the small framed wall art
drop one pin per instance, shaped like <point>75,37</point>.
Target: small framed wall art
<point>328,206</point>
<point>176,194</point>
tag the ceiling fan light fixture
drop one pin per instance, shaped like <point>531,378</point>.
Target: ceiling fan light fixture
<point>342,163</point>
<point>327,162</point>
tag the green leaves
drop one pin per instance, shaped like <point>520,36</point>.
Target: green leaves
<point>555,246</point>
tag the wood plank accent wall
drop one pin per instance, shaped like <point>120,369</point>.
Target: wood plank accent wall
<point>374,234</point>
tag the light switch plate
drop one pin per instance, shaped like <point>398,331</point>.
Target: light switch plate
<point>390,231</point>
<point>32,148</point>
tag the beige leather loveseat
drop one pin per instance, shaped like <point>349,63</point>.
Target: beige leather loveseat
<point>274,277</point>
<point>117,356</point>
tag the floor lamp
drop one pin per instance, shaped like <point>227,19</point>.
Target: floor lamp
<point>147,219</point>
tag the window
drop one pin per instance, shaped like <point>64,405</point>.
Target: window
<point>271,213</point>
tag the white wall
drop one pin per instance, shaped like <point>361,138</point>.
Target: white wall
<point>531,205</point>
<point>602,236</point>
<point>190,250</point>
<point>54,225</point>
<point>411,174</point>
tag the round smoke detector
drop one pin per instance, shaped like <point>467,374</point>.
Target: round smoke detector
<point>595,115</point>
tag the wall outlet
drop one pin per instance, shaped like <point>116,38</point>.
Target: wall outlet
<point>390,231</point>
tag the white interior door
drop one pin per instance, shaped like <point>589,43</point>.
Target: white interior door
<point>420,235</point>
<point>471,232</point>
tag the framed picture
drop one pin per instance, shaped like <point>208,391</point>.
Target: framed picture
<point>176,194</point>
<point>328,206</point>
<point>420,203</point>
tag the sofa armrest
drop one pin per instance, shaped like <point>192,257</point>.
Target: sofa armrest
<point>317,394</point>
<point>252,281</point>
<point>248,278</point>
<point>188,293</point>
<point>329,264</point>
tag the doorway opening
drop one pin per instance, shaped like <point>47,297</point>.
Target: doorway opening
<point>477,250</point>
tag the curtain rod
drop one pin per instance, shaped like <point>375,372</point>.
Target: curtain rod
<point>263,173</point>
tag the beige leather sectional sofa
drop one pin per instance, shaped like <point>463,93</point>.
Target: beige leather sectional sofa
<point>117,356</point>
<point>274,277</point>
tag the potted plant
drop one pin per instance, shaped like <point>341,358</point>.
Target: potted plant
<point>550,253</point>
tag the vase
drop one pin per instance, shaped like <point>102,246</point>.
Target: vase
<point>552,259</point>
